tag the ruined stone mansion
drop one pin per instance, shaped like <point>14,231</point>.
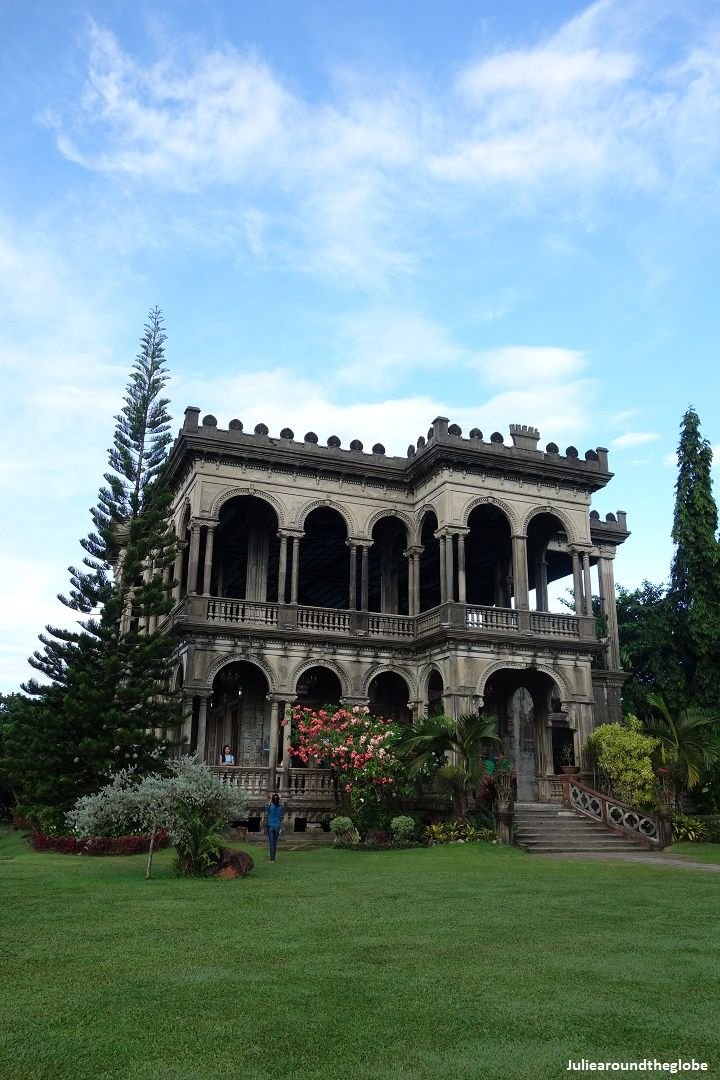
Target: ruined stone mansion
<point>323,574</point>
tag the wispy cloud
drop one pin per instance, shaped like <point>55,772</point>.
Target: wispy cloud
<point>634,438</point>
<point>351,175</point>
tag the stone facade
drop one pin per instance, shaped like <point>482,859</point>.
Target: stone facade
<point>320,574</point>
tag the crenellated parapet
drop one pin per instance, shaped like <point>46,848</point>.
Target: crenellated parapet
<point>444,446</point>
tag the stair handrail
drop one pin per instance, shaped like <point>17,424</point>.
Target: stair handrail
<point>652,830</point>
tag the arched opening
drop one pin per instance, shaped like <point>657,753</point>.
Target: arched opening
<point>521,700</point>
<point>388,696</point>
<point>488,557</point>
<point>317,687</point>
<point>549,561</point>
<point>436,688</point>
<point>239,715</point>
<point>429,563</point>
<point>388,568</point>
<point>246,551</point>
<point>324,560</point>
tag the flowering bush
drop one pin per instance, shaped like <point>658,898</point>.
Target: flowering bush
<point>97,845</point>
<point>361,749</point>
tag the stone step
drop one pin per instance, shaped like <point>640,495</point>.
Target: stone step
<point>545,828</point>
<point>540,849</point>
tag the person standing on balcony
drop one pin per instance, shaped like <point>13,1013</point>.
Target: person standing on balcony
<point>274,813</point>
<point>227,757</point>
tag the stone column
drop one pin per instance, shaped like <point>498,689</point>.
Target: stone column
<point>520,575</point>
<point>286,740</point>
<point>364,581</point>
<point>202,727</point>
<point>462,585</point>
<point>282,568</point>
<point>577,582</point>
<point>352,597</point>
<point>607,591</point>
<point>177,569</point>
<point>541,585</point>
<point>443,565</point>
<point>274,717</point>
<point>587,583</point>
<point>207,569</point>
<point>295,572</point>
<point>166,579</point>
<point>449,568</point>
<point>186,725</point>
<point>193,558</point>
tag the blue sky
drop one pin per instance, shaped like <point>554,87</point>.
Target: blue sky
<point>355,217</point>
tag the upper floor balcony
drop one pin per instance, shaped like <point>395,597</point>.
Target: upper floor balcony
<point>479,621</point>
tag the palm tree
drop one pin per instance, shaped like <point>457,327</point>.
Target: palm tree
<point>464,740</point>
<point>689,741</point>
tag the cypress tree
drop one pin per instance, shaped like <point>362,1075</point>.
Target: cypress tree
<point>695,573</point>
<point>106,705</point>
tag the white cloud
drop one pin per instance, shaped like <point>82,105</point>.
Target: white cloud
<point>533,365</point>
<point>376,347</point>
<point>634,438</point>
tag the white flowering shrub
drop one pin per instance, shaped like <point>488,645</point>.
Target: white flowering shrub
<point>190,803</point>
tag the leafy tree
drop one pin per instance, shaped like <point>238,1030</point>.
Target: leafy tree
<point>688,742</point>
<point>695,571</point>
<point>106,697</point>
<point>648,648</point>
<point>463,741</point>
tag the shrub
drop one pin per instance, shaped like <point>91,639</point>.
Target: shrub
<point>685,827</point>
<point>623,756</point>
<point>345,833</point>
<point>402,828</point>
<point>190,803</point>
<point>712,824</point>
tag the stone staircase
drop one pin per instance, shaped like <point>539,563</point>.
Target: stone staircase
<point>542,828</point>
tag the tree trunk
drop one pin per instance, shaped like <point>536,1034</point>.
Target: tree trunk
<point>148,868</point>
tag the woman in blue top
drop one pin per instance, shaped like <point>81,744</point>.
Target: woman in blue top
<point>274,813</point>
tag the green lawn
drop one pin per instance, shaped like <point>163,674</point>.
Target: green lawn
<point>708,853</point>
<point>454,962</point>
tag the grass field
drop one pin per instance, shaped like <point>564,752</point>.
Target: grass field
<point>454,962</point>
<point>708,853</point>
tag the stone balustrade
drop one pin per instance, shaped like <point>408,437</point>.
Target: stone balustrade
<point>468,618</point>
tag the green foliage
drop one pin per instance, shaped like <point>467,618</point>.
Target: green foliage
<point>689,743</point>
<point>106,688</point>
<point>622,755</point>
<point>695,571</point>
<point>402,827</point>
<point>467,739</point>
<point>647,647</point>
<point>200,846</point>
<point>686,827</point>
<point>712,825</point>
<point>450,832</point>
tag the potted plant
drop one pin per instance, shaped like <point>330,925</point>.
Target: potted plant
<point>503,781</point>
<point>567,757</point>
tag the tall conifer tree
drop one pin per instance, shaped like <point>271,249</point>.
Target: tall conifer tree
<point>107,693</point>
<point>695,573</point>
